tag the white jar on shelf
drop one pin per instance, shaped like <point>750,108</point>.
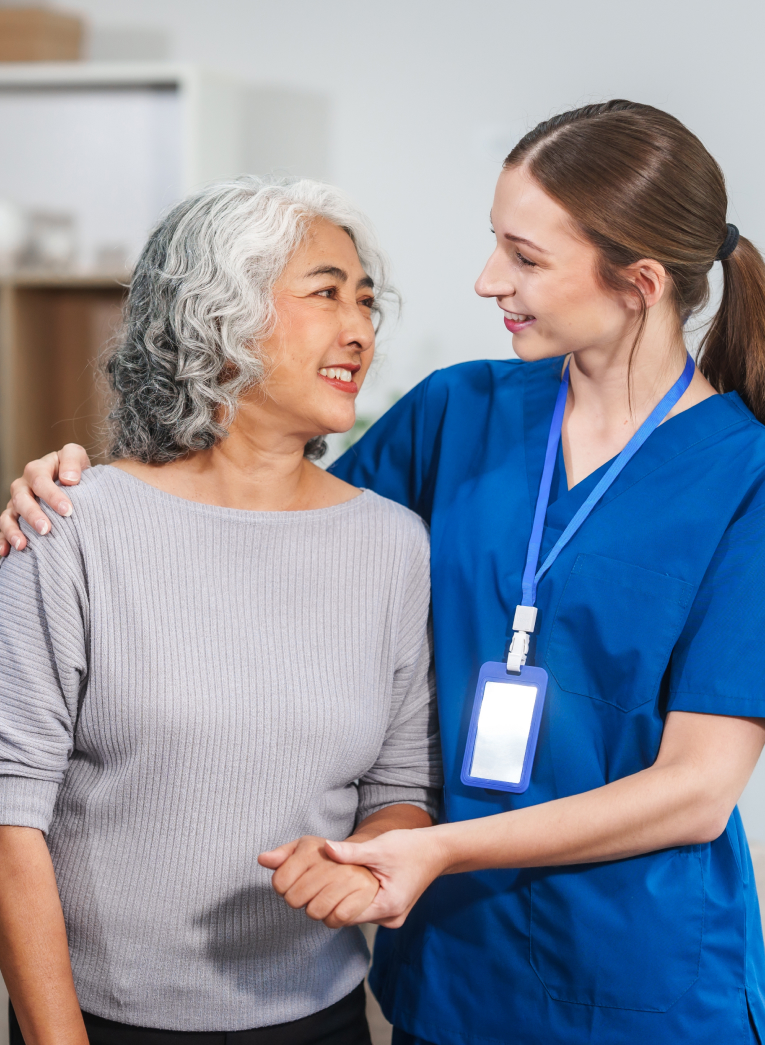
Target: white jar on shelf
<point>13,235</point>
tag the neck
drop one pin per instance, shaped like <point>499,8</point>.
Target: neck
<point>258,467</point>
<point>609,398</point>
<point>252,469</point>
<point>611,393</point>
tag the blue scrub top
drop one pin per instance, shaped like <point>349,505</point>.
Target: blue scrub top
<point>657,604</point>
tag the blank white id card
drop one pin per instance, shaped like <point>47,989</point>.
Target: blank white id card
<point>504,727</point>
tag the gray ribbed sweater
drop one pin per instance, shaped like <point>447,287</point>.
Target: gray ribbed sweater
<point>184,686</point>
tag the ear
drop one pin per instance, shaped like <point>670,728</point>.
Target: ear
<point>650,278</point>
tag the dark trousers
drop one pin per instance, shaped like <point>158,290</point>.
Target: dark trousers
<point>344,1023</point>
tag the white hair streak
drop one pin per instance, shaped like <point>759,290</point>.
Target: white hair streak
<point>201,301</point>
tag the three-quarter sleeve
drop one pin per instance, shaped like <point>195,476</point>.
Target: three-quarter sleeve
<point>408,767</point>
<point>718,664</point>
<point>43,652</point>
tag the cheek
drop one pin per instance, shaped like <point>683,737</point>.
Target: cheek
<point>582,305</point>
<point>298,346</point>
<point>367,356</point>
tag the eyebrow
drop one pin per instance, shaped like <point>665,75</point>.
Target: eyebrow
<point>341,275</point>
<point>520,239</point>
<point>528,242</point>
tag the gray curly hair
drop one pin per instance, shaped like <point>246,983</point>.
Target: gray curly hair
<point>200,303</point>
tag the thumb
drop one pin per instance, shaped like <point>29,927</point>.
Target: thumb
<point>276,857</point>
<point>350,852</point>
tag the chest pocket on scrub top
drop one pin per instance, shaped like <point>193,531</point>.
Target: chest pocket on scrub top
<point>614,630</point>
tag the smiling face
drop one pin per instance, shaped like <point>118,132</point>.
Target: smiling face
<point>543,276</point>
<point>323,342</point>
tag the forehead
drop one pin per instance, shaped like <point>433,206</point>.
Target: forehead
<point>326,243</point>
<point>522,208</point>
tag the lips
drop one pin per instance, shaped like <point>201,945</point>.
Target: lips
<point>516,321</point>
<point>341,377</point>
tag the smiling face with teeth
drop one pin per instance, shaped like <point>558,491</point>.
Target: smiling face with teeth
<point>543,274</point>
<point>323,341</point>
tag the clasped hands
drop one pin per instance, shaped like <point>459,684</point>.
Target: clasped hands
<point>346,883</point>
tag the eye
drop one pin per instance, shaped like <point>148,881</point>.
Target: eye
<point>368,302</point>
<point>524,261</point>
<point>328,292</point>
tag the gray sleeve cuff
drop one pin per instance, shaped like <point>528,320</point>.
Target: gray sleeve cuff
<point>25,802</point>
<point>374,797</point>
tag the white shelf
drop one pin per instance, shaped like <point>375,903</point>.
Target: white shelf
<point>210,105</point>
<point>115,143</point>
<point>96,74</point>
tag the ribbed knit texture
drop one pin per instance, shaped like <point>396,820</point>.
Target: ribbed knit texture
<point>184,686</point>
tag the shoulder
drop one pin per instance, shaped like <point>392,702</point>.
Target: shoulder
<point>739,411</point>
<point>99,483</point>
<point>398,540</point>
<point>60,553</point>
<point>740,436</point>
<point>477,384</point>
<point>479,376</point>
<point>94,497</point>
<point>396,531</point>
<point>102,495</point>
<point>394,517</point>
<point>732,442</point>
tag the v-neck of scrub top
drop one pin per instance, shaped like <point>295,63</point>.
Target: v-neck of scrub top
<point>564,502</point>
<point>671,437</point>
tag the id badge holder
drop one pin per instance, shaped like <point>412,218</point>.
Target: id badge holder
<point>504,727</point>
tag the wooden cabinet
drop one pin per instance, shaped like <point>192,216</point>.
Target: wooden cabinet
<point>52,332</point>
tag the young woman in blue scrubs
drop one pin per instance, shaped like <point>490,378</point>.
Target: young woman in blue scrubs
<point>613,901</point>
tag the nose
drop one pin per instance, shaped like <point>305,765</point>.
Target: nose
<point>496,279</point>
<point>357,332</point>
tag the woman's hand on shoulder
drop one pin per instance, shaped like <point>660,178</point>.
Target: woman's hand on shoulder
<point>39,481</point>
<point>306,877</point>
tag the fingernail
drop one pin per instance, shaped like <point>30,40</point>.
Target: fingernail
<point>42,526</point>
<point>16,542</point>
<point>65,509</point>
<point>68,475</point>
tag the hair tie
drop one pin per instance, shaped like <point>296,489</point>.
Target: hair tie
<point>729,243</point>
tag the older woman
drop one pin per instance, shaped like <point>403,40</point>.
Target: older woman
<point>242,662</point>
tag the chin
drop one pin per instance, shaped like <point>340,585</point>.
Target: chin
<point>337,425</point>
<point>532,349</point>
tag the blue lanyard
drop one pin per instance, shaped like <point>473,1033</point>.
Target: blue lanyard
<point>532,575</point>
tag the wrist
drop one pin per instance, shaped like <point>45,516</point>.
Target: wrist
<point>437,849</point>
<point>368,834</point>
<point>398,817</point>
<point>447,851</point>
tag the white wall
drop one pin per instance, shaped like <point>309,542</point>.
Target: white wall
<point>426,96</point>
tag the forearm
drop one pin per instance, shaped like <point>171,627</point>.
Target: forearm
<point>34,954</point>
<point>655,809</point>
<point>393,818</point>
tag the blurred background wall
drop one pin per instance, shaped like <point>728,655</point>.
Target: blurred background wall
<point>425,97</point>
<point>410,105</point>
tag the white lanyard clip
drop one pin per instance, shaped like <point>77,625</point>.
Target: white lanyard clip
<point>524,622</point>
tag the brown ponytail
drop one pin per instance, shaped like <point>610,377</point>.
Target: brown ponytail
<point>640,185</point>
<point>733,348</point>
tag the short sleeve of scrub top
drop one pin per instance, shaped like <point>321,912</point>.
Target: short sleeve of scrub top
<point>718,663</point>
